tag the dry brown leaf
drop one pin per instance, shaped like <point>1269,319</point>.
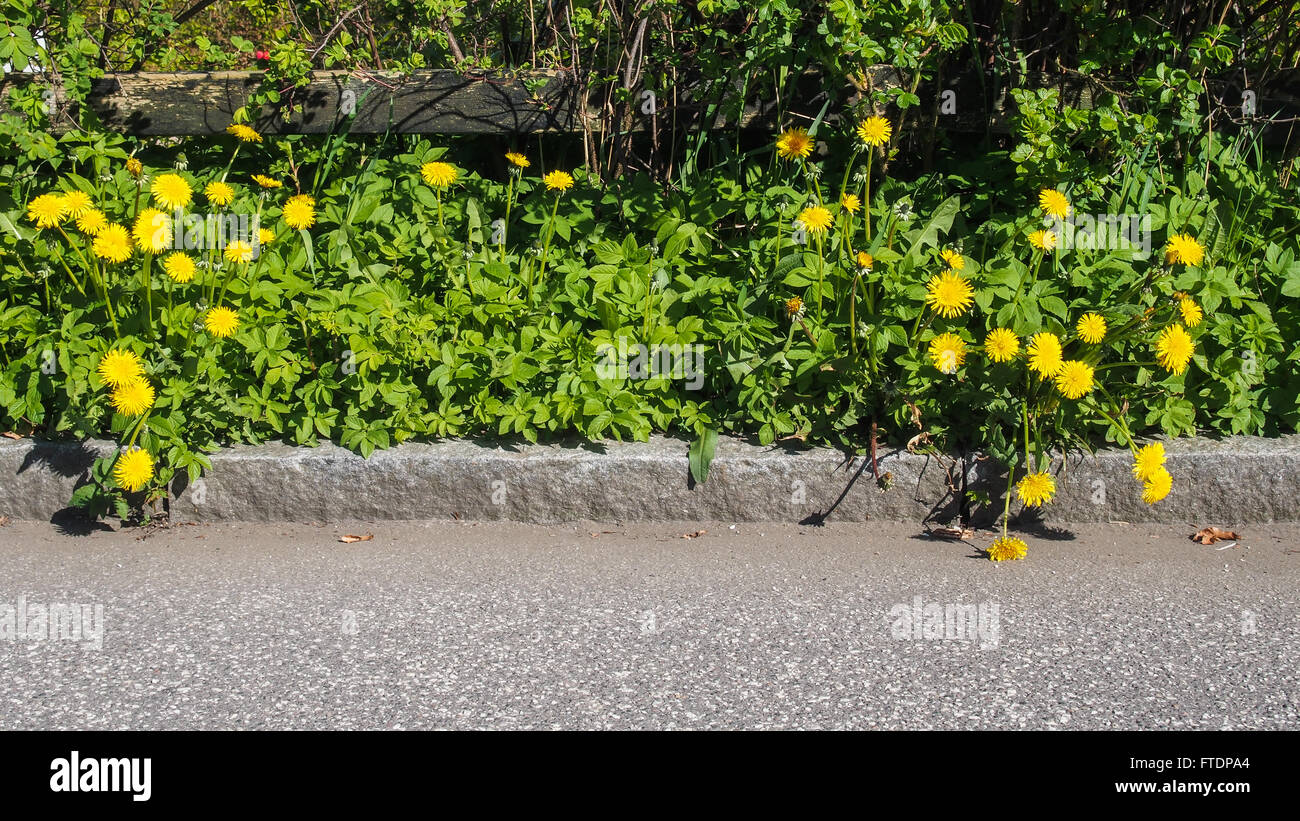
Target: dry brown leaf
<point>349,538</point>
<point>694,535</point>
<point>953,533</point>
<point>1210,535</point>
<point>4,520</point>
<point>919,439</point>
<point>10,435</point>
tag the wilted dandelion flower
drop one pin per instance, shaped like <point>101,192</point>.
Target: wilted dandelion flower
<point>865,260</point>
<point>1157,486</point>
<point>874,131</point>
<point>265,181</point>
<point>950,294</point>
<point>1007,548</point>
<point>1091,328</point>
<point>1043,240</point>
<point>1149,460</point>
<point>112,243</point>
<point>1174,348</point>
<point>171,191</point>
<point>76,203</point>
<point>134,469</point>
<point>794,144</point>
<point>243,133</point>
<point>816,219</point>
<point>1001,345</point>
<point>219,193</point>
<point>850,203</point>
<point>1074,379</point>
<point>903,210</point>
<point>221,321</point>
<point>558,181</point>
<point>1053,203</point>
<point>1191,312</point>
<point>179,266</point>
<point>517,160</point>
<point>954,260</point>
<point>238,251</point>
<point>794,308</point>
<point>1184,249</point>
<point>133,398</point>
<point>92,222</point>
<point>135,167</point>
<point>47,210</point>
<point>439,174</point>
<point>299,211</point>
<point>152,231</point>
<point>947,352</point>
<point>1036,489</point>
<point>119,367</point>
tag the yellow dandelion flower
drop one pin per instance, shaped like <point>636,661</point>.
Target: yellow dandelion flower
<point>1045,354</point>
<point>265,236</point>
<point>794,144</point>
<point>171,191</point>
<point>92,222</point>
<point>133,398</point>
<point>517,160</point>
<point>152,231</point>
<point>219,193</point>
<point>1157,486</point>
<point>947,353</point>
<point>243,133</point>
<point>1053,203</point>
<point>874,131</point>
<point>1091,328</point>
<point>1043,240</point>
<point>1036,489</point>
<point>850,203</point>
<point>1001,345</point>
<point>299,212</point>
<point>221,321</point>
<point>179,266</point>
<point>439,174</point>
<point>1074,379</point>
<point>1184,249</point>
<point>47,210</point>
<point>134,469</point>
<point>954,260</point>
<point>120,367</point>
<point>265,181</point>
<point>1149,460</point>
<point>1007,548</point>
<point>76,203</point>
<point>1191,312</point>
<point>558,181</point>
<point>1174,348</point>
<point>238,251</point>
<point>950,294</point>
<point>135,167</point>
<point>865,260</point>
<point>112,243</point>
<point>816,219</point>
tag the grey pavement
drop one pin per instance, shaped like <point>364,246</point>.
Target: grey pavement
<point>511,626</point>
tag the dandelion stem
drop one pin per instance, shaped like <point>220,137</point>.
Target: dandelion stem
<point>546,247</point>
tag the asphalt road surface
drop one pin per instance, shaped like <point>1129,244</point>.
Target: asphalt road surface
<point>499,625</point>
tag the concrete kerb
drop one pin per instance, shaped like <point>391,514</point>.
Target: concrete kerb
<point>1234,480</point>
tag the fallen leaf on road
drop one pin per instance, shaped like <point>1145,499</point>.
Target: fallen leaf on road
<point>954,533</point>
<point>4,520</point>
<point>1210,535</point>
<point>694,535</point>
<point>349,538</point>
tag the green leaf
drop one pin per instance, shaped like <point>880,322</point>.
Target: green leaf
<point>701,454</point>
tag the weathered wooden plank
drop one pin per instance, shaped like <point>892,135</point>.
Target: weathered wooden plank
<point>448,102</point>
